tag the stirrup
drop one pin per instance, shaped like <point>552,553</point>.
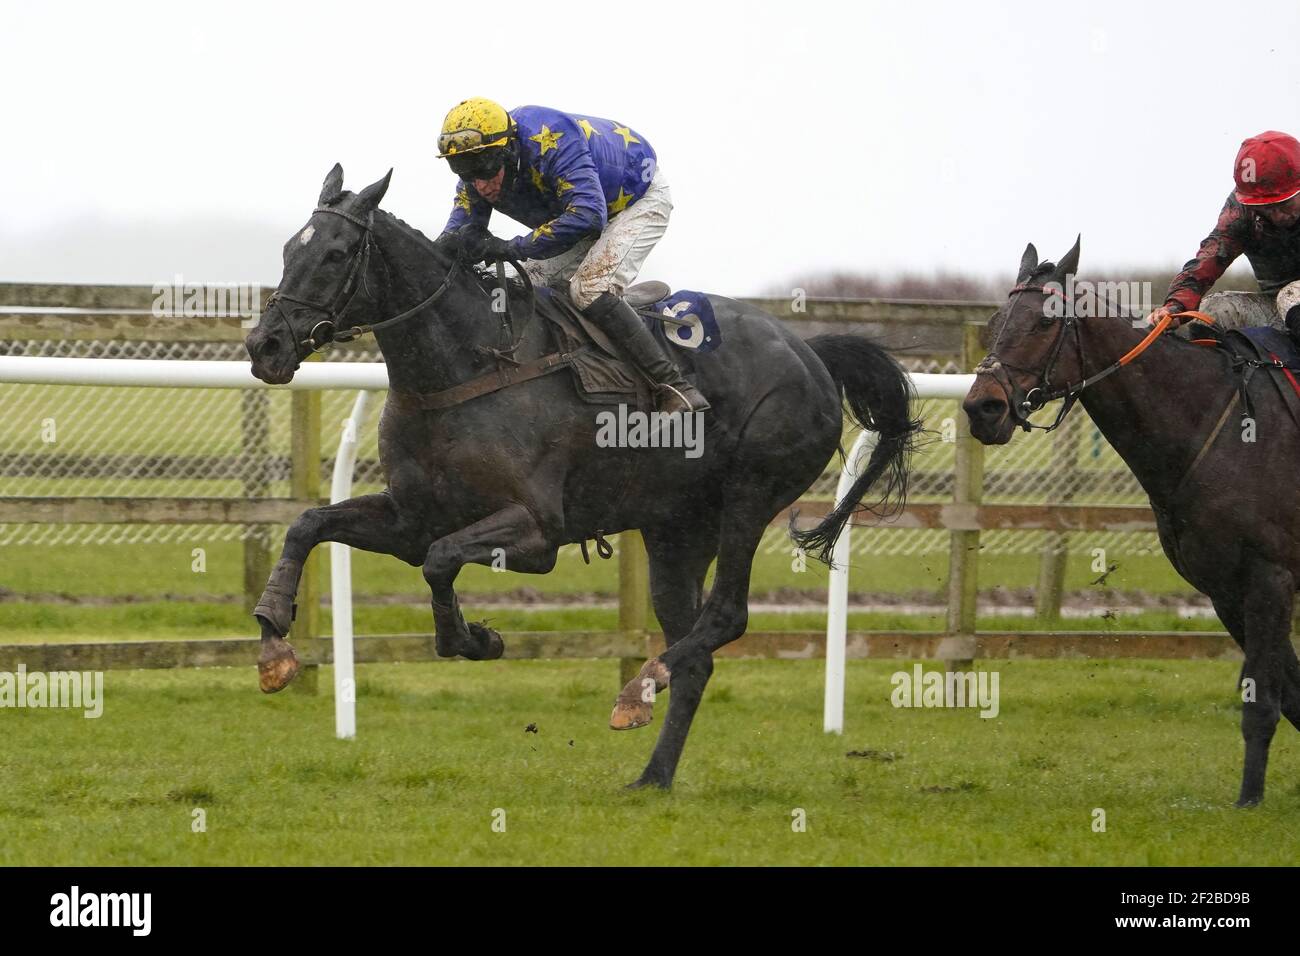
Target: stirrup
<point>681,399</point>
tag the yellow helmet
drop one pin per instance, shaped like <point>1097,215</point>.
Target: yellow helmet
<point>472,126</point>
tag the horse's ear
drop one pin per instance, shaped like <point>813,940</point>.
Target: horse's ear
<point>1028,263</point>
<point>1069,264</point>
<point>332,188</point>
<point>370,196</point>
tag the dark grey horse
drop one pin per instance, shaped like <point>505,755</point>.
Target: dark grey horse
<point>518,471</point>
<point>1225,497</point>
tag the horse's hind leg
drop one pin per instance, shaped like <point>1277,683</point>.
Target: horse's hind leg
<point>680,556</point>
<point>512,534</point>
<point>689,662</point>
<point>371,523</point>
<point>679,560</point>
<point>1230,613</point>
<point>1267,611</point>
<point>1289,683</point>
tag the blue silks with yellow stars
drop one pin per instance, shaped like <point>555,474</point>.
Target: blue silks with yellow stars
<point>575,174</point>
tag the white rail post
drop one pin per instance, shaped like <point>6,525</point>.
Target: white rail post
<point>345,683</point>
<point>926,385</point>
<point>837,611</point>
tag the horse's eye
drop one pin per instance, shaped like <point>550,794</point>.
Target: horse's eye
<point>334,255</point>
<point>1046,321</point>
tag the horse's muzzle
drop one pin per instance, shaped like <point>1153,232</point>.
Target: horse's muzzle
<point>987,411</point>
<point>274,359</point>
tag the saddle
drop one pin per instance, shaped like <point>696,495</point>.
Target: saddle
<point>600,373</point>
<point>1252,349</point>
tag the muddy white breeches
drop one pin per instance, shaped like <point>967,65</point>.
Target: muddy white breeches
<point>612,260</point>
<point>1234,310</point>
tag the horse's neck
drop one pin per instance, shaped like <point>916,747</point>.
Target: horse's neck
<point>1148,408</point>
<point>440,347</point>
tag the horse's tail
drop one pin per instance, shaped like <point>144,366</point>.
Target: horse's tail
<point>879,393</point>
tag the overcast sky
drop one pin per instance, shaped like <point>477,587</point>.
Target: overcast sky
<point>145,140</point>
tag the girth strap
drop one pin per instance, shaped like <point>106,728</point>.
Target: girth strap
<point>1208,443</point>
<point>484,384</point>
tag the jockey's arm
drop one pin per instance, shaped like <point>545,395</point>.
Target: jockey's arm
<point>468,207</point>
<point>1218,250</point>
<point>572,172</point>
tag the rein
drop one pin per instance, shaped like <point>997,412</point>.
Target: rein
<point>328,332</point>
<point>1023,404</point>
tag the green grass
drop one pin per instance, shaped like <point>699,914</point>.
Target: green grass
<point>157,570</point>
<point>441,746</point>
<point>51,624</point>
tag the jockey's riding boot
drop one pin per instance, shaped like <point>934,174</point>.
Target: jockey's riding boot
<point>1292,321</point>
<point>1288,305</point>
<point>621,323</point>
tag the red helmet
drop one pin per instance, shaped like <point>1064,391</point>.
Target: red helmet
<point>1267,169</point>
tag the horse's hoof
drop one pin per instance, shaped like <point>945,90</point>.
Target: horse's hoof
<point>629,715</point>
<point>635,704</point>
<point>1245,803</point>
<point>647,783</point>
<point>487,638</point>
<point>277,666</point>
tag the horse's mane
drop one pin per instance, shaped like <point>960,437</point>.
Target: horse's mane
<point>407,227</point>
<point>1042,271</point>
<point>1045,270</point>
<point>486,279</point>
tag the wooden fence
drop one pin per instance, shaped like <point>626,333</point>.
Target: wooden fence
<point>945,331</point>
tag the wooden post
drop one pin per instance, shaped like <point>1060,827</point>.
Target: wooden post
<point>255,430</point>
<point>963,548</point>
<point>306,484</point>
<point>1052,558</point>
<point>633,598</point>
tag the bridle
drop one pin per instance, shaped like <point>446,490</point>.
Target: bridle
<point>330,329</point>
<point>1022,404</point>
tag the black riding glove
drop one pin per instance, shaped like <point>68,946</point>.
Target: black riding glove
<point>497,250</point>
<point>479,245</point>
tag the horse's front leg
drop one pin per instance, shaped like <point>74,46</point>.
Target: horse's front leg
<point>371,523</point>
<point>1268,606</point>
<point>512,534</point>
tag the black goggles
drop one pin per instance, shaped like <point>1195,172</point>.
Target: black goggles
<point>472,166</point>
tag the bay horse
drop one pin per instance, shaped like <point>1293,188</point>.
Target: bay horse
<point>1226,499</point>
<point>518,471</point>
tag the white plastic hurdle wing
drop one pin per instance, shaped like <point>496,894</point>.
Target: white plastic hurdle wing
<point>345,683</point>
<point>927,385</point>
